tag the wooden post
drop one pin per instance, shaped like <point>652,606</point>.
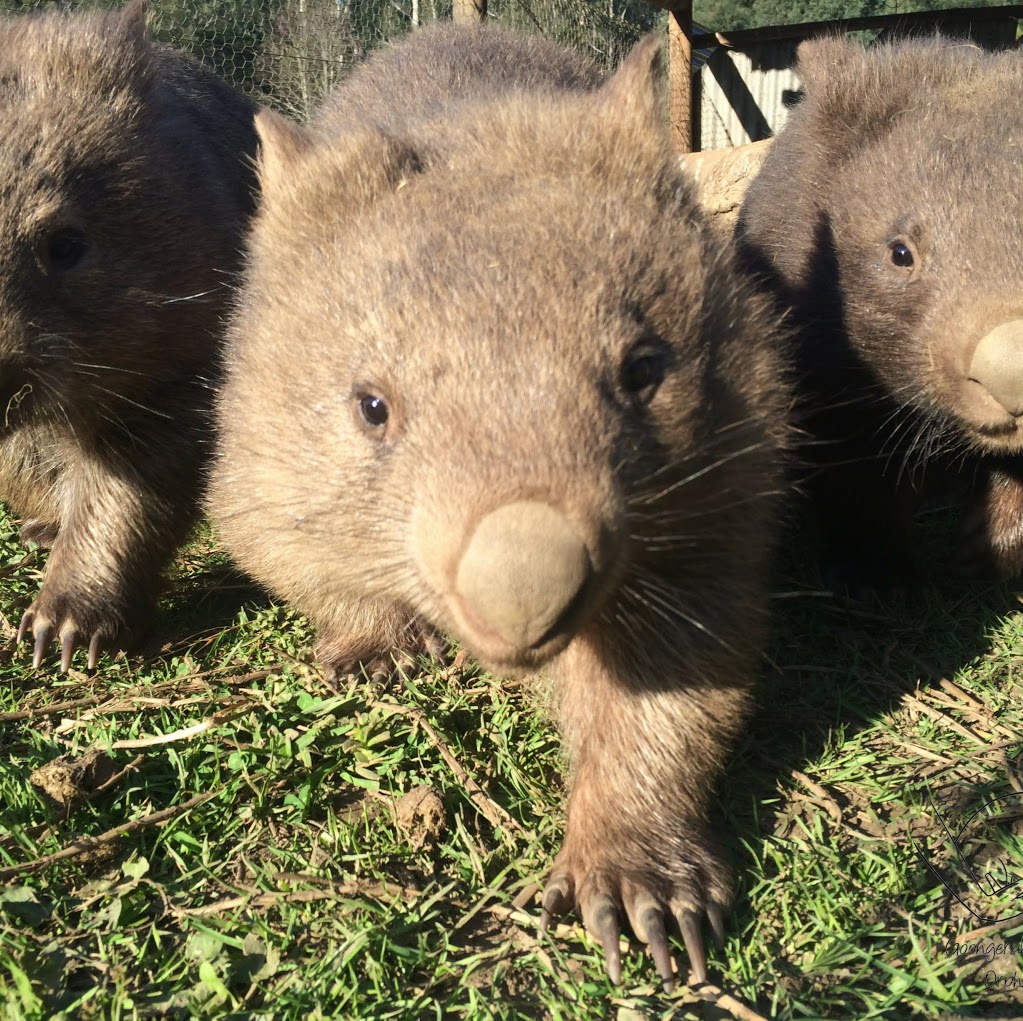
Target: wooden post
<point>680,74</point>
<point>469,10</point>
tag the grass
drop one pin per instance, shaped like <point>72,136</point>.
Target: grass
<point>358,851</point>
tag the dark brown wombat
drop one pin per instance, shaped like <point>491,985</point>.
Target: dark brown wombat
<point>889,217</point>
<point>126,180</point>
<point>493,373</point>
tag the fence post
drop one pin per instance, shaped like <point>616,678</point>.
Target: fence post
<point>680,74</point>
<point>469,10</point>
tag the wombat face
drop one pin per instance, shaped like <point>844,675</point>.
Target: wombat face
<point>511,407</point>
<point>98,240</point>
<point>920,215</point>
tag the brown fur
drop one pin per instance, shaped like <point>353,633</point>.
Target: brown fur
<point>492,268</point>
<point>916,142</point>
<point>143,160</point>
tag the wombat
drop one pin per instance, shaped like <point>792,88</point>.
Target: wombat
<point>126,180</point>
<point>889,218</point>
<point>491,372</point>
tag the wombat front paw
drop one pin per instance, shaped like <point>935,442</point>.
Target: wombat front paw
<point>341,655</point>
<point>605,893</point>
<point>990,540</point>
<point>71,622</point>
<point>43,533</point>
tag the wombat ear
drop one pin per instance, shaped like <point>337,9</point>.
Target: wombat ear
<point>825,58</point>
<point>131,24</point>
<point>637,87</point>
<point>282,143</point>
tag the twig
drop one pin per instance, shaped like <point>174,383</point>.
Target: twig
<point>712,994</point>
<point>126,699</point>
<point>85,844</point>
<point>491,811</point>
<point>178,735</point>
<point>826,801</point>
<point>270,898</point>
<point>49,710</point>
<point>943,718</point>
<point>1015,922</point>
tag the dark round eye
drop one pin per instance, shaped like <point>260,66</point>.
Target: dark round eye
<point>643,372</point>
<point>901,255</point>
<point>373,410</point>
<point>65,249</point>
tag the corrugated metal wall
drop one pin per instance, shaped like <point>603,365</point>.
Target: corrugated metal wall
<point>745,95</point>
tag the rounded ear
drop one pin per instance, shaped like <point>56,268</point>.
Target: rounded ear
<point>819,59</point>
<point>129,26</point>
<point>282,145</point>
<point>853,93</point>
<point>299,168</point>
<point>637,87</point>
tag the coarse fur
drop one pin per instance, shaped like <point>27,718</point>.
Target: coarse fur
<point>914,148</point>
<point>126,181</point>
<point>577,383</point>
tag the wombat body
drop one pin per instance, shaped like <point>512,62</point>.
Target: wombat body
<point>889,218</point>
<point>126,180</point>
<point>492,373</point>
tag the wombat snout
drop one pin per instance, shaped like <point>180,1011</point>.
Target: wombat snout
<point>524,569</point>
<point>997,365</point>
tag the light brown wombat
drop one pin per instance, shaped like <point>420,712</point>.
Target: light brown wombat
<point>889,218</point>
<point>126,181</point>
<point>492,373</point>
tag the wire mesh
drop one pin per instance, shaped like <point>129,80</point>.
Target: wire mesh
<point>289,53</point>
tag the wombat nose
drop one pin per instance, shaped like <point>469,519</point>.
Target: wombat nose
<point>998,365</point>
<point>521,570</point>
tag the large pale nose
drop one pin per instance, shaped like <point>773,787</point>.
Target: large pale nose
<point>522,569</point>
<point>998,365</point>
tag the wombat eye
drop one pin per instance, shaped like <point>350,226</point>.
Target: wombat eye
<point>373,410</point>
<point>64,249</point>
<point>643,372</point>
<point>901,255</point>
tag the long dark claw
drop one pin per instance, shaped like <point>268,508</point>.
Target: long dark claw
<point>557,899</point>
<point>67,647</point>
<point>657,941</point>
<point>689,923</point>
<point>601,919</point>
<point>26,623</point>
<point>716,916</point>
<point>42,640</point>
<point>93,651</point>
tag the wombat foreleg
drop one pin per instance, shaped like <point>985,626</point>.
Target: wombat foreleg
<point>118,530</point>
<point>645,756</point>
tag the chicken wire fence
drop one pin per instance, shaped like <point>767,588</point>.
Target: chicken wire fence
<point>288,53</point>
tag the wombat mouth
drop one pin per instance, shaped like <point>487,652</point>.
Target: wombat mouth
<point>987,422</point>
<point>499,654</point>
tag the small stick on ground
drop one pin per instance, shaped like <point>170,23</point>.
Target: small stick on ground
<point>85,844</point>
<point>491,811</point>
<point>712,994</point>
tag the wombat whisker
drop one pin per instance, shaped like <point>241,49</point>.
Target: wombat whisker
<point>135,404</point>
<point>120,369</point>
<point>164,300</point>
<point>715,509</point>
<point>699,473</point>
<point>657,598</point>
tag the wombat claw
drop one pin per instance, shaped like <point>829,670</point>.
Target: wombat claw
<point>68,641</point>
<point>601,917</point>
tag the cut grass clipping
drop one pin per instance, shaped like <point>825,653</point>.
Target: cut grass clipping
<point>209,828</point>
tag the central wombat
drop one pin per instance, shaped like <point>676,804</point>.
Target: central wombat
<point>492,372</point>
<point>889,217</point>
<point>126,181</point>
